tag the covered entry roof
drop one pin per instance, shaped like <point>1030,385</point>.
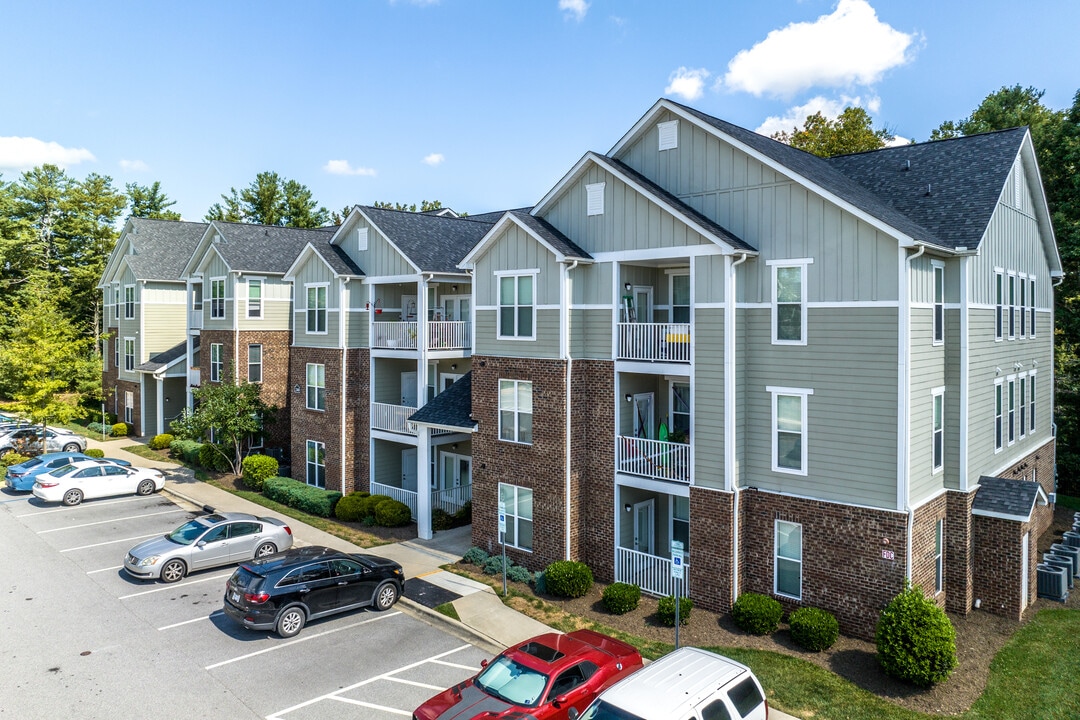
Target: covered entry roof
<point>1007,499</point>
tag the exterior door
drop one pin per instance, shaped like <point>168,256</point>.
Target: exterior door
<point>644,524</point>
<point>408,388</point>
<point>456,471</point>
<point>408,308</point>
<point>643,303</point>
<point>643,415</point>
<point>408,469</point>
<point>1025,569</point>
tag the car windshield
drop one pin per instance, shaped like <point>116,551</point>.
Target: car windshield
<point>511,681</point>
<point>601,710</point>
<point>187,533</point>
<point>31,463</point>
<point>62,470</point>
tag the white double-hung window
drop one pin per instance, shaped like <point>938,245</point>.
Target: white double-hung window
<point>316,309</point>
<point>217,298</point>
<point>129,354</point>
<point>999,415</point>
<point>787,578</point>
<point>315,471</point>
<point>789,444</point>
<point>129,301</point>
<point>517,306</point>
<point>518,503</point>
<point>316,386</point>
<point>255,298</point>
<point>999,303</point>
<point>217,363</point>
<point>939,301</point>
<point>937,435</point>
<point>515,411</point>
<point>789,301</point>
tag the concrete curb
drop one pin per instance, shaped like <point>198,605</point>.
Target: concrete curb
<point>455,627</point>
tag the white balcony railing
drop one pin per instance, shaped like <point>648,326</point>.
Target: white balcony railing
<point>194,376</point>
<point>393,335</point>
<point>450,500</point>
<point>393,418</point>
<point>195,319</point>
<point>654,458</point>
<point>448,335</point>
<point>442,335</point>
<point>666,342</point>
<point>402,495</point>
<point>649,572</point>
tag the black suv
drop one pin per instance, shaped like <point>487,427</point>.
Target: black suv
<point>283,591</point>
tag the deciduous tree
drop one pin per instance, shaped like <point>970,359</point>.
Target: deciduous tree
<point>852,132</point>
<point>236,412</point>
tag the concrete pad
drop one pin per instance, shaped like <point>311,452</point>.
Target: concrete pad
<point>484,614</point>
<point>455,583</point>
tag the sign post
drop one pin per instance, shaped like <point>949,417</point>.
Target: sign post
<point>502,539</point>
<point>677,572</point>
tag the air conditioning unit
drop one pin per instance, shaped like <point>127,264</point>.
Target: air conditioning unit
<point>1072,539</point>
<point>1052,582</point>
<point>1069,552</point>
<point>1062,562</point>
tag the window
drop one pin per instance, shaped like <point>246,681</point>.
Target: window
<point>680,299</point>
<point>594,199</point>
<point>129,407</point>
<point>316,464</point>
<point>129,301</point>
<point>129,354</point>
<point>516,307</point>
<point>216,362</point>
<point>1023,307</point>
<point>1012,410</point>
<point>105,355</point>
<point>1031,401</point>
<point>998,405</point>
<point>939,565</point>
<point>316,308</point>
<point>518,503</point>
<point>789,429</point>
<point>254,309</point>
<point>217,298</point>
<point>680,409</point>
<point>116,353</point>
<point>669,134</point>
<point>255,363</point>
<point>1023,405</point>
<point>939,302</point>
<point>515,411</point>
<point>680,521</point>
<point>1031,306</point>
<point>1012,306</point>
<point>788,574</point>
<point>116,304</point>
<point>938,433</point>
<point>999,299</point>
<point>316,386</point>
<point>789,303</point>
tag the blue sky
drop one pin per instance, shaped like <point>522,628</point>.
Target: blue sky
<point>483,105</point>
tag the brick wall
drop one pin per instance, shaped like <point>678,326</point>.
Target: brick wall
<point>592,454</point>
<point>998,564</point>
<point>711,514</point>
<point>122,388</point>
<point>843,570</point>
<point>923,547</point>
<point>959,560</point>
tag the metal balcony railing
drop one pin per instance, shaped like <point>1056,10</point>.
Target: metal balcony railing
<point>654,458</point>
<point>654,342</point>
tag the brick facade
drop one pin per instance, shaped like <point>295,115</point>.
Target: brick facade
<point>711,514</point>
<point>122,388</point>
<point>924,547</point>
<point>959,562</point>
<point>110,378</point>
<point>592,503</point>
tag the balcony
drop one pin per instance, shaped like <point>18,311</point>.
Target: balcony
<point>195,319</point>
<point>654,342</point>
<point>442,335</point>
<point>654,458</point>
<point>393,335</point>
<point>448,335</point>
<point>449,500</point>
<point>649,572</point>
<point>392,418</point>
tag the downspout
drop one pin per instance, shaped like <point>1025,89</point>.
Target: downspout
<point>342,335</point>
<point>564,342</point>
<point>729,416</point>
<point>236,328</point>
<point>903,498</point>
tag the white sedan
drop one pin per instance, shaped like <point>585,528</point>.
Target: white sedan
<point>73,483</point>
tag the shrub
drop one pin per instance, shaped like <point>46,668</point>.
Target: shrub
<point>211,458</point>
<point>441,520</point>
<point>348,507</point>
<point>540,582</point>
<point>494,565</point>
<point>518,574</point>
<point>757,614</point>
<point>915,640</point>
<point>120,429</point>
<point>464,515</point>
<point>99,429</point>
<point>813,628</point>
<point>160,442</point>
<point>256,468</point>
<point>620,598</point>
<point>567,578</point>
<point>475,556</point>
<point>665,610</point>
<point>94,453</point>
<point>186,450</point>
<point>12,458</point>
<point>366,506</point>
<point>304,497</point>
<point>392,513</point>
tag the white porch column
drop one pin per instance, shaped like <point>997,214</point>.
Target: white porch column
<point>142,404</point>
<point>423,482</point>
<point>160,383</point>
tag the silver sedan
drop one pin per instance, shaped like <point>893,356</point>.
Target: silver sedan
<point>205,542</point>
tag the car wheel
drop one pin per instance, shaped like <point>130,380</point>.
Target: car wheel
<point>291,622</point>
<point>73,497</point>
<point>72,447</point>
<point>385,596</point>
<point>173,570</point>
<point>265,549</point>
<point>145,487</point>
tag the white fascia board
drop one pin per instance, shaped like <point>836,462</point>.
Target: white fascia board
<point>1042,210</point>
<point>469,261</point>
<point>205,260</point>
<point>1002,516</point>
<point>371,223</point>
<point>118,253</point>
<point>346,225</point>
<point>381,279</point>
<point>195,261</point>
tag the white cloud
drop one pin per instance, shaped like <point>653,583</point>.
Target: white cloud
<point>134,166</point>
<point>795,117</point>
<point>23,153</point>
<point>897,141</point>
<point>849,47</point>
<point>687,82</point>
<point>434,159</point>
<point>342,167</point>
<point>575,9</point>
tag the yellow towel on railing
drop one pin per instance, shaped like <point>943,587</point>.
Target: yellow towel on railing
<point>678,337</point>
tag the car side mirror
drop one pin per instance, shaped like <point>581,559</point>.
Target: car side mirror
<point>483,663</point>
<point>201,543</point>
<point>559,701</point>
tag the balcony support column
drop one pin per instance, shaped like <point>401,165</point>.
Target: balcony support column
<point>423,482</point>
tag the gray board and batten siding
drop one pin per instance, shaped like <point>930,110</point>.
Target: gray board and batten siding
<point>381,258</point>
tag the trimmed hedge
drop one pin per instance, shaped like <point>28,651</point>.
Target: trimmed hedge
<point>475,555</point>
<point>295,494</point>
<point>99,429</point>
<point>757,614</point>
<point>915,639</point>
<point>813,628</point>
<point>568,578</point>
<point>12,458</point>
<point>254,469</point>
<point>348,507</point>
<point>186,450</point>
<point>160,442</point>
<point>665,610</point>
<point>211,459</point>
<point>94,453</point>
<point>366,506</point>
<point>120,430</point>
<point>620,598</point>
<point>392,513</point>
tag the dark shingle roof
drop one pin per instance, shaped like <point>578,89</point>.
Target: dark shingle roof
<point>431,242</point>
<point>452,408</point>
<point>266,248</point>
<point>1001,496</point>
<point>162,247</point>
<point>164,358</point>
<point>550,235</point>
<point>339,261</point>
<point>964,177</point>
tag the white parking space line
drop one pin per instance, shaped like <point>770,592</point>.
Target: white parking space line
<point>385,676</point>
<point>403,681</point>
<point>114,567</point>
<point>176,586</point>
<point>453,665</point>
<point>300,640</point>
<point>106,522</point>
<point>189,622</point>
<point>77,507</point>
<point>110,542</point>
<point>373,706</point>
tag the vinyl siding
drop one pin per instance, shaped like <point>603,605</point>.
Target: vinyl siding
<point>928,371</point>
<point>591,284</point>
<point>590,334</point>
<point>276,305</point>
<point>216,268</point>
<point>380,258</point>
<point>1012,242</point>
<point>546,344</point>
<point>387,463</point>
<point>707,402</point>
<point>163,328</point>
<point>516,250</point>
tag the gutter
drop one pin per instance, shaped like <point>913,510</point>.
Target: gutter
<point>903,499</point>
<point>342,318</point>
<point>729,416</point>
<point>564,341</point>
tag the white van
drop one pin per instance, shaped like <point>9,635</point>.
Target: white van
<point>687,684</point>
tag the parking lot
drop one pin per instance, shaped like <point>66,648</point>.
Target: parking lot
<point>82,638</point>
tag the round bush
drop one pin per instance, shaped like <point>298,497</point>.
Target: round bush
<point>757,614</point>
<point>120,429</point>
<point>441,520</point>
<point>256,468</point>
<point>94,453</point>
<point>348,507</point>
<point>391,513</point>
<point>539,582</point>
<point>518,574</point>
<point>620,598</point>
<point>366,506</point>
<point>568,578</point>
<point>813,628</point>
<point>475,555</point>
<point>160,442</point>
<point>13,458</point>
<point>494,565</point>
<point>665,610</point>
<point>915,640</point>
<point>211,459</point>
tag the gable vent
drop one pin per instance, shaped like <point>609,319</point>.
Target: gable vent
<point>361,238</point>
<point>594,194</point>
<point>669,134</point>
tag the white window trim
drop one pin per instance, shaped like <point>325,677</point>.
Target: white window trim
<point>804,393</point>
<point>1021,404</point>
<point>1032,386</point>
<point>668,135</point>
<point>776,556</point>
<point>325,309</point>
<point>999,417</point>
<point>129,355</point>
<point>362,239</point>
<point>116,304</point>
<point>1010,304</point>
<point>129,406</point>
<point>937,270</point>
<point>1022,305</point>
<point>260,363</point>
<point>116,354</point>
<point>516,411</point>
<point>774,265</point>
<point>1031,300</point>
<point>308,464</point>
<point>999,304</point>
<point>219,364</point>
<point>939,556</point>
<point>129,305</point>
<point>938,392</point>
<point>308,386</point>
<point>516,517</point>
<point>224,298</point>
<point>1010,410</point>
<point>499,276</point>
<point>594,199</point>
<point>262,298</point>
